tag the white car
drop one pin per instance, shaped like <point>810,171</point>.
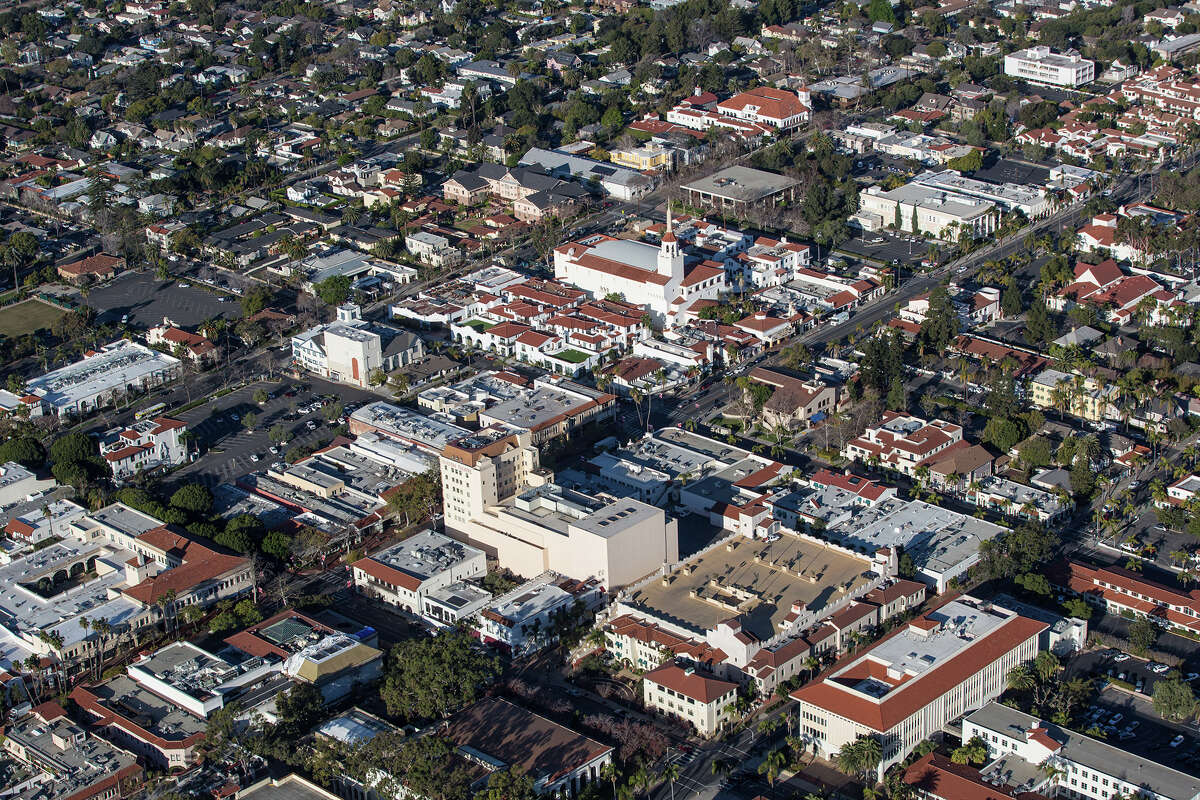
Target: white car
<point>254,457</point>
<point>1119,657</point>
<point>1159,669</point>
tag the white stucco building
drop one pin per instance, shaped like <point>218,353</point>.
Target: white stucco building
<point>351,349</point>
<point>643,274</point>
<point>944,664</point>
<point>1040,65</point>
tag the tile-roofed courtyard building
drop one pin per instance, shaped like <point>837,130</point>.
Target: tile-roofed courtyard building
<point>942,665</point>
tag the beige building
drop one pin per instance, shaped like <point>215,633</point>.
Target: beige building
<point>1075,394</point>
<point>944,664</point>
<point>704,702</point>
<point>497,499</point>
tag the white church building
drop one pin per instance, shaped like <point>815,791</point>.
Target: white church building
<point>641,273</point>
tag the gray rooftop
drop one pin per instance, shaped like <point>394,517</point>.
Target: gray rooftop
<point>426,554</point>
<point>742,184</point>
<point>76,760</point>
<point>1092,753</point>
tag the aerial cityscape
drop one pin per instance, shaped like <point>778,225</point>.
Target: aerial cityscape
<point>599,400</point>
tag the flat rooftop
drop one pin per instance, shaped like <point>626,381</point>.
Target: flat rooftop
<point>760,581</point>
<point>936,538</point>
<point>406,424</point>
<point>121,363</point>
<point>742,184</point>
<point>426,554</point>
<point>121,518</point>
<point>1092,753</point>
<point>539,407</point>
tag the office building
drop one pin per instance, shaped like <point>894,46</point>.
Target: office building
<point>59,760</point>
<point>910,684</point>
<point>18,484</point>
<point>526,618</point>
<point>405,573</point>
<point>1041,66</point>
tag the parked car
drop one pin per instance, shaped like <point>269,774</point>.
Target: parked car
<point>1119,657</point>
<point>1178,740</point>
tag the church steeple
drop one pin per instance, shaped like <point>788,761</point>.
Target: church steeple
<point>670,259</point>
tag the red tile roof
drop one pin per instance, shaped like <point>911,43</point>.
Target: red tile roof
<point>690,683</point>
<point>900,704</point>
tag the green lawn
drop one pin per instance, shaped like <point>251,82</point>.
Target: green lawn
<point>572,356</point>
<point>479,325</point>
<point>27,317</point>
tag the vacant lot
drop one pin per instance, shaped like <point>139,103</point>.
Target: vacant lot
<point>27,317</point>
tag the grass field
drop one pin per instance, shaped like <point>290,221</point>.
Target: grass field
<point>27,317</point>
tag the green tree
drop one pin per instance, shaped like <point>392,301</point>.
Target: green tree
<point>73,446</point>
<point>427,679</point>
<point>25,450</point>
<point>508,784</point>
<point>1143,633</point>
<point>277,544</point>
<point>897,399</point>
<point>299,709</point>
<point>334,290</point>
<point>880,11</point>
<point>1174,699</point>
<point>195,498</point>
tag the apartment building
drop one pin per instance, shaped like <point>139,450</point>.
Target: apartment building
<point>1042,66</point>
<point>145,445</point>
<point>1121,591</point>
<point>902,442</point>
<point>646,158</point>
<point>1084,768</point>
<point>1083,396</point>
<point>945,663</point>
<point>702,701</point>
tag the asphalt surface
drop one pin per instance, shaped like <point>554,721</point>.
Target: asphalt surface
<point>145,300</point>
<point>228,448</point>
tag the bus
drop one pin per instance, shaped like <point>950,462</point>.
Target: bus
<point>150,411</point>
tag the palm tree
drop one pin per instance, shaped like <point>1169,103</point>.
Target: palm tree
<point>670,774</point>
<point>103,630</point>
<point>722,766</point>
<point>610,772</point>
<point>1020,679</point>
<point>771,766</point>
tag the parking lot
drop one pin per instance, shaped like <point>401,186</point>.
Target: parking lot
<point>886,246</point>
<point>230,451</point>
<point>145,300</point>
<point>1128,718</point>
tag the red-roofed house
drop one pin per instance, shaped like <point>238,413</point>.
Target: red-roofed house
<point>703,701</point>
<point>99,268</point>
<point>764,105</point>
<point>182,344</point>
<point>146,445</point>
